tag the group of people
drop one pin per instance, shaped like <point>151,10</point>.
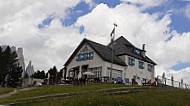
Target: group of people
<point>82,81</point>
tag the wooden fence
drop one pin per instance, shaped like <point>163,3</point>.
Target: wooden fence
<point>169,83</point>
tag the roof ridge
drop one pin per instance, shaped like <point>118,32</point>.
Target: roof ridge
<point>94,42</point>
<point>121,37</point>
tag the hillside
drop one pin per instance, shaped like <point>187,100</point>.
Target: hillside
<point>99,94</point>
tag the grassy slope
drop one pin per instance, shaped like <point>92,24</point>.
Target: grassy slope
<point>148,97</point>
<point>48,89</point>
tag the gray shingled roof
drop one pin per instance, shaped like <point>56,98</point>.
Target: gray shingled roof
<point>105,52</point>
<point>123,47</point>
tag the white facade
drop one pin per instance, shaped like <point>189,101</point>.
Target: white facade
<point>136,71</point>
<point>91,63</point>
<point>102,68</point>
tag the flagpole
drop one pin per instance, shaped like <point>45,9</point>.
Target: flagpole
<point>115,25</point>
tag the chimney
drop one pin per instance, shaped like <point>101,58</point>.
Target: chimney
<point>143,47</point>
<point>143,51</point>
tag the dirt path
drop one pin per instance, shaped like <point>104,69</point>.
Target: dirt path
<point>14,92</point>
<point>67,95</point>
<point>8,94</point>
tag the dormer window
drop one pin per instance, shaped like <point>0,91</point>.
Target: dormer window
<point>137,51</point>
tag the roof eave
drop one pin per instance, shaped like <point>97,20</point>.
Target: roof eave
<point>137,58</point>
<point>74,53</point>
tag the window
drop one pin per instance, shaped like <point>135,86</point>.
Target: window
<point>84,56</point>
<point>137,51</point>
<point>78,57</point>
<point>141,65</point>
<point>127,80</point>
<point>97,71</point>
<point>100,72</point>
<point>108,72</point>
<point>115,73</point>
<point>150,67</point>
<point>131,62</point>
<point>91,54</point>
<point>143,80</point>
<point>85,47</point>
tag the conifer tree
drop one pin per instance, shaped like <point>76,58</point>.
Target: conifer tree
<point>60,73</point>
<point>39,74</point>
<point>1,62</point>
<point>53,75</point>
<point>42,75</point>
<point>9,68</point>
<point>5,65</point>
<point>14,71</point>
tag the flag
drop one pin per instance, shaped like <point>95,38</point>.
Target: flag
<point>112,33</point>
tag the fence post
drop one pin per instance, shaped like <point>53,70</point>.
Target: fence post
<point>157,80</point>
<point>179,85</point>
<point>185,86</point>
<point>165,80</point>
<point>172,79</point>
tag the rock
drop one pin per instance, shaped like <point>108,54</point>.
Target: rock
<point>21,60</point>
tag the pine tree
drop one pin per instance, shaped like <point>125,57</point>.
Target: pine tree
<point>53,75</point>
<point>14,71</point>
<point>42,74</point>
<point>39,74</point>
<point>9,68</point>
<point>1,62</point>
<point>5,65</point>
<point>60,73</point>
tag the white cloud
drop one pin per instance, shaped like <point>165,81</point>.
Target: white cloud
<point>90,3</point>
<point>144,4</point>
<point>184,74</point>
<point>47,47</point>
<point>54,44</point>
<point>187,11</point>
<point>139,28</point>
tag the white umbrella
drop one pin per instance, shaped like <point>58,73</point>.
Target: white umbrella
<point>88,73</point>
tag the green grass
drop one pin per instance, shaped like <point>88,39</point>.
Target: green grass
<point>147,97</point>
<point>6,90</point>
<point>50,89</point>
